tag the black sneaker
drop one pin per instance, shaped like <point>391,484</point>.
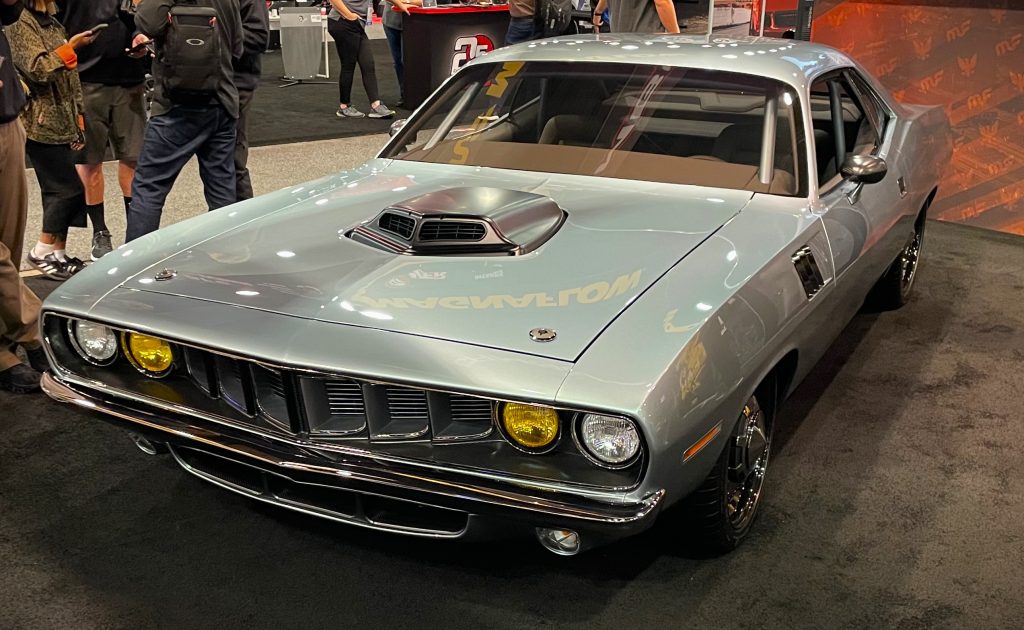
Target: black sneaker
<point>101,245</point>
<point>37,359</point>
<point>49,265</point>
<point>73,265</point>
<point>20,379</point>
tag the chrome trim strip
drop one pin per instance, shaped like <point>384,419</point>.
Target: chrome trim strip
<point>310,510</point>
<point>371,469</point>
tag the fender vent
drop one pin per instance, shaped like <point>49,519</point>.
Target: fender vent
<point>452,231</point>
<point>397,224</point>
<point>807,270</point>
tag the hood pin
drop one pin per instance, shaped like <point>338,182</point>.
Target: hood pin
<point>543,334</point>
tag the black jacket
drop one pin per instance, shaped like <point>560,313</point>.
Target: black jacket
<point>103,61</point>
<point>12,97</point>
<point>256,36</point>
<point>151,19</point>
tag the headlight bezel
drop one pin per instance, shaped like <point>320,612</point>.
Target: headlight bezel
<point>72,332</point>
<point>581,445</point>
<point>125,336</point>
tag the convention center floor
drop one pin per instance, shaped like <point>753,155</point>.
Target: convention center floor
<point>894,501</point>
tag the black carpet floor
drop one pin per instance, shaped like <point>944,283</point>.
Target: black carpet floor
<point>306,112</point>
<point>896,500</point>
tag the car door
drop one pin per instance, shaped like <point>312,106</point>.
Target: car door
<point>862,220</point>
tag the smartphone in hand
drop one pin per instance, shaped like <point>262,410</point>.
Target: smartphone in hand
<point>98,28</point>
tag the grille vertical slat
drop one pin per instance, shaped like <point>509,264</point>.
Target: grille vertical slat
<point>334,408</point>
<point>404,414</point>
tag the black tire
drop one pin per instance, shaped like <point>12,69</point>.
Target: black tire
<point>893,289</point>
<point>721,512</point>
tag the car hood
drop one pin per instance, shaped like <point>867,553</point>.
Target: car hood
<point>619,238</point>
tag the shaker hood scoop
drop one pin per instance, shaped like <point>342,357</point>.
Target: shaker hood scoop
<point>476,220</point>
<point>595,258</point>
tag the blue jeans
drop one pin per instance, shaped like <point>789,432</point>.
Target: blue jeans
<point>394,36</point>
<point>207,132</point>
<point>520,30</point>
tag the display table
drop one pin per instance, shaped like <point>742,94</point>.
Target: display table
<point>439,41</point>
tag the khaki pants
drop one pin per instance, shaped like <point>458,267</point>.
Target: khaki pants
<point>19,307</point>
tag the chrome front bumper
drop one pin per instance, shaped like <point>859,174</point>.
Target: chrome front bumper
<point>296,477</point>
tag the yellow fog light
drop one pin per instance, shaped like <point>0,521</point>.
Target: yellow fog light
<point>149,354</point>
<point>530,426</point>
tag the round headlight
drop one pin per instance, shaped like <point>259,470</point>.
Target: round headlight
<point>530,426</point>
<point>611,441</point>
<point>151,355</point>
<point>95,343</point>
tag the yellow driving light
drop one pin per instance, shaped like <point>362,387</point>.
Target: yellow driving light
<point>149,354</point>
<point>530,426</point>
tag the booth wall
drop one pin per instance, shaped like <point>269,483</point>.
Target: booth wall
<point>966,55</point>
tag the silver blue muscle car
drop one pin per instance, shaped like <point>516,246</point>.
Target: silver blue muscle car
<point>571,292</point>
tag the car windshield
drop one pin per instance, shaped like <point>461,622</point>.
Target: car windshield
<point>640,122</point>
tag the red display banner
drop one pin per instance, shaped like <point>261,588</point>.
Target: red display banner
<point>966,55</point>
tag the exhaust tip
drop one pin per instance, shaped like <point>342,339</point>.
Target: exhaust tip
<point>147,446</point>
<point>564,542</point>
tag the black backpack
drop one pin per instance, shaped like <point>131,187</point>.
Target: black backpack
<point>190,52</point>
<point>553,17</point>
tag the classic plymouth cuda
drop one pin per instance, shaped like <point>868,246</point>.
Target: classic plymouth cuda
<point>572,291</point>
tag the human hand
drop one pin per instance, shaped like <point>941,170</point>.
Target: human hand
<point>138,49</point>
<point>401,6</point>
<point>597,20</point>
<point>77,146</point>
<point>82,39</point>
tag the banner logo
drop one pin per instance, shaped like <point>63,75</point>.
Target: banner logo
<point>467,49</point>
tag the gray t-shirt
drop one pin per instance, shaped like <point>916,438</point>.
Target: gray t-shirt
<point>392,18</point>
<point>634,16</point>
<point>359,7</point>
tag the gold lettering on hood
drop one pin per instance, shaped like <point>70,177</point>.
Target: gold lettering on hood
<point>589,294</point>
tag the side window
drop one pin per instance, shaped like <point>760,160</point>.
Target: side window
<point>845,123</point>
<point>877,113</point>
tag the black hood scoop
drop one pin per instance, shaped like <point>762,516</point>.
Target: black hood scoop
<point>477,220</point>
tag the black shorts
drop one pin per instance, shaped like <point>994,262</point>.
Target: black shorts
<point>114,116</point>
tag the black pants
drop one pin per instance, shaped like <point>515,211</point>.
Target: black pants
<point>353,47</point>
<point>243,182</point>
<point>63,193</point>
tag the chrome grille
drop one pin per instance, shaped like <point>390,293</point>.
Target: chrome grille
<point>452,231</point>
<point>406,417</point>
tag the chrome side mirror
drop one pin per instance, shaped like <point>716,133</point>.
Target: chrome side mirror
<point>864,169</point>
<point>397,126</point>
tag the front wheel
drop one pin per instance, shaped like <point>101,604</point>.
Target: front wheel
<point>722,510</point>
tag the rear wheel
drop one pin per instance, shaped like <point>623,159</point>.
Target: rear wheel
<point>722,510</point>
<point>893,289</point>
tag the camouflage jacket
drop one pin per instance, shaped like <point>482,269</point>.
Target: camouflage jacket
<point>47,64</point>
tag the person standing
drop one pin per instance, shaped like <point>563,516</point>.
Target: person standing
<point>347,25</point>
<point>248,70</point>
<point>55,127</point>
<point>115,104</point>
<point>19,306</point>
<point>638,16</point>
<point>195,108</point>
<point>394,24</point>
<point>522,26</point>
